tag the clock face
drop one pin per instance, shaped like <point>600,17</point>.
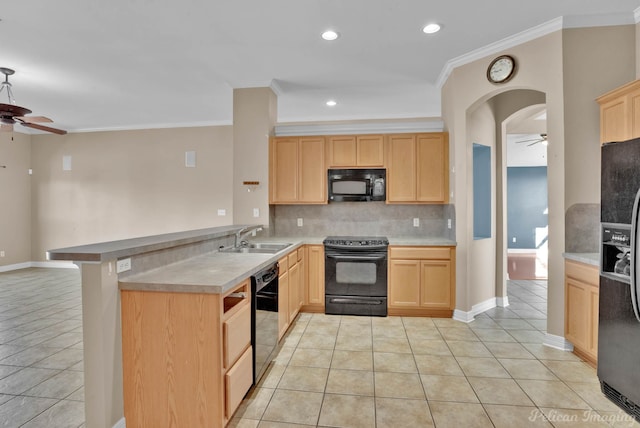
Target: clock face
<point>501,69</point>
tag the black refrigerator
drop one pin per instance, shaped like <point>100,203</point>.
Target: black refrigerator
<point>619,313</point>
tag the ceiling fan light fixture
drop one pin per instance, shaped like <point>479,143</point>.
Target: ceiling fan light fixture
<point>330,35</point>
<point>6,86</point>
<point>331,103</point>
<point>431,28</point>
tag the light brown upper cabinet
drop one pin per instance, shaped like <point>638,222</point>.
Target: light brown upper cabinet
<point>418,168</point>
<point>297,170</point>
<point>348,151</point>
<point>620,113</point>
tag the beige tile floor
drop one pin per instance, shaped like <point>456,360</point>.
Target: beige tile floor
<point>346,371</point>
<point>41,362</point>
<point>331,371</point>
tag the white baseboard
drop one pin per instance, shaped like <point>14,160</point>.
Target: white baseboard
<point>120,424</point>
<point>557,342</point>
<point>462,316</point>
<point>25,265</point>
<point>467,317</point>
<point>503,302</point>
<point>16,266</point>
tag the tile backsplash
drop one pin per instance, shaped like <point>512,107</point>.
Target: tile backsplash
<point>582,228</point>
<point>364,218</point>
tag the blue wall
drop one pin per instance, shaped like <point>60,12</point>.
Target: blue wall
<point>481,191</point>
<point>527,204</point>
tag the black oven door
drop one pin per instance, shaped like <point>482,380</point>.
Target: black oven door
<point>356,282</point>
<point>356,274</point>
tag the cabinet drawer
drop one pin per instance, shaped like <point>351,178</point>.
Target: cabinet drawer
<point>421,253</point>
<point>293,258</point>
<point>300,253</point>
<point>283,264</point>
<point>237,382</point>
<point>236,333</point>
<point>582,272</point>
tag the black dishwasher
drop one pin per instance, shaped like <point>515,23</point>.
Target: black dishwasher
<point>264,319</point>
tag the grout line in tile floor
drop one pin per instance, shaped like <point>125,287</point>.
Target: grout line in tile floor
<point>41,361</point>
<point>498,374</point>
<point>394,371</point>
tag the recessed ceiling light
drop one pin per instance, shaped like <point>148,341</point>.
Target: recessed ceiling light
<point>330,35</point>
<point>431,28</point>
<point>331,103</point>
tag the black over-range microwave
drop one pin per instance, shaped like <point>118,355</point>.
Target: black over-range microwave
<point>357,185</point>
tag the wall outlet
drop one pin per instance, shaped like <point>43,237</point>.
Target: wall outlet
<point>123,265</point>
<point>448,223</point>
<point>300,222</point>
<point>222,212</point>
<point>256,212</point>
<point>1,253</point>
<point>416,222</point>
<point>513,239</point>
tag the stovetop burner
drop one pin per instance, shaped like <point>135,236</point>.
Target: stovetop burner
<point>356,241</point>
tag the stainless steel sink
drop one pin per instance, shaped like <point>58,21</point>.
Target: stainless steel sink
<point>269,245</point>
<point>258,248</point>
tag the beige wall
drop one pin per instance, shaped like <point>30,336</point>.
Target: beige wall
<point>569,67</point>
<point>481,130</point>
<point>15,198</point>
<point>540,68</point>
<point>125,184</point>
<point>254,118</point>
<point>595,61</point>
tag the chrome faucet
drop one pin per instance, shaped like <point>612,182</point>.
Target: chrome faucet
<point>242,233</point>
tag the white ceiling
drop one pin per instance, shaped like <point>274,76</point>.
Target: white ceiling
<point>140,63</point>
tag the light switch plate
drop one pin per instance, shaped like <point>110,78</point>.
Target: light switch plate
<point>222,212</point>
<point>300,222</point>
<point>256,212</point>
<point>416,222</point>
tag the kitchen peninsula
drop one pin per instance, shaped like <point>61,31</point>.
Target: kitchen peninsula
<point>179,264</point>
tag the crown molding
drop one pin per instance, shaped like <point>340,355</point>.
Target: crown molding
<point>493,48</point>
<point>578,21</point>
<point>153,126</point>
<point>359,128</point>
<point>276,88</point>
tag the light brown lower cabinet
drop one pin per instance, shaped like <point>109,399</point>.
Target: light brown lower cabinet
<point>291,283</point>
<point>314,275</point>
<point>581,300</point>
<point>421,281</point>
<point>187,357</point>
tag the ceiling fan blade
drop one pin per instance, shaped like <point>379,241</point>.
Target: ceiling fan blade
<point>43,128</point>
<point>529,140</point>
<point>34,119</point>
<point>5,127</point>
<point>535,142</point>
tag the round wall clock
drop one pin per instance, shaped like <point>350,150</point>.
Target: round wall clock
<point>501,69</point>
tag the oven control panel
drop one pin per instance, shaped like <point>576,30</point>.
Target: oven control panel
<point>356,241</point>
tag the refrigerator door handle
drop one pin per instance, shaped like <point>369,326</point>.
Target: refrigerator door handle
<point>633,257</point>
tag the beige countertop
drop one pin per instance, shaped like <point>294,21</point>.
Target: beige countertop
<point>586,258</point>
<point>112,250</point>
<point>213,272</point>
<point>218,273</point>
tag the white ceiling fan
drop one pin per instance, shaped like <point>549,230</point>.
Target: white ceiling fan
<point>532,141</point>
